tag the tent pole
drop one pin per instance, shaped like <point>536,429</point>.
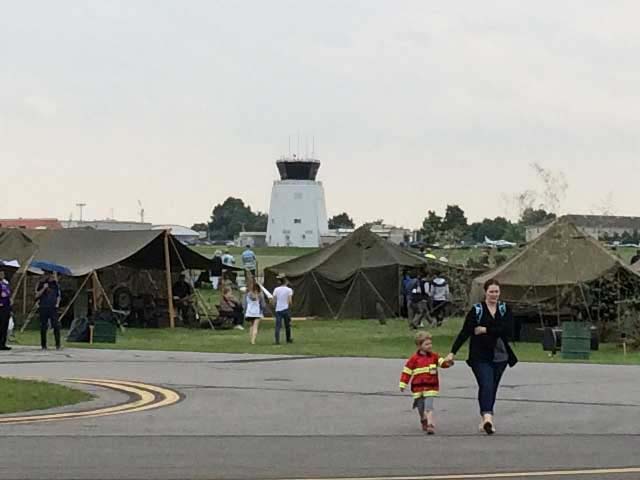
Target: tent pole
<point>344,302</point>
<point>322,293</point>
<point>77,294</point>
<point>22,276</point>
<point>199,298</point>
<point>378,293</point>
<point>29,317</point>
<point>94,292</point>
<point>167,265</point>
<point>103,292</point>
<point>25,286</point>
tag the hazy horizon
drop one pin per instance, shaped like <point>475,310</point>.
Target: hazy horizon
<point>412,105</point>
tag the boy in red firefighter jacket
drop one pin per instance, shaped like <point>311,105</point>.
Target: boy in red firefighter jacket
<point>422,370</point>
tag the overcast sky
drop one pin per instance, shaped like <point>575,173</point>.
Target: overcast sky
<point>413,104</point>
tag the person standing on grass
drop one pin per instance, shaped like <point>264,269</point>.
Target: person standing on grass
<point>420,303</point>
<point>48,297</point>
<point>254,306</point>
<point>249,261</point>
<point>5,310</point>
<point>228,259</point>
<point>488,324</point>
<point>408,283</point>
<point>282,298</point>
<point>439,293</point>
<point>216,269</point>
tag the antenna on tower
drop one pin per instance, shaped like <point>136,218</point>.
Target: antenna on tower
<point>141,211</point>
<point>313,146</point>
<point>289,146</point>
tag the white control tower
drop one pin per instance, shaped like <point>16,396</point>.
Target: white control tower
<point>298,213</point>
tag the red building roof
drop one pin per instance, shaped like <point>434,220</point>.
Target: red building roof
<point>31,223</point>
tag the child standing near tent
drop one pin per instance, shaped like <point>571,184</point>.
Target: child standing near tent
<point>254,305</point>
<point>421,369</point>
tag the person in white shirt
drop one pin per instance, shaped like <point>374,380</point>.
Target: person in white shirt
<point>228,259</point>
<point>282,298</point>
<point>439,293</point>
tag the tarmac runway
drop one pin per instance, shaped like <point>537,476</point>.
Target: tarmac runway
<point>258,416</point>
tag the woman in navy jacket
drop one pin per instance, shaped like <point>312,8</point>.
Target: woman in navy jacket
<point>488,325</point>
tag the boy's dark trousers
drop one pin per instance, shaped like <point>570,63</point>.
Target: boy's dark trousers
<point>49,314</point>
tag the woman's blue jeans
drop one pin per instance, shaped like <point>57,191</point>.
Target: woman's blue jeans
<point>488,375</point>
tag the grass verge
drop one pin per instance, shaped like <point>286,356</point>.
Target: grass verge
<point>357,338</point>
<point>24,395</point>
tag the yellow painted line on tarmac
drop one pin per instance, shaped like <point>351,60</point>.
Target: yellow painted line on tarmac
<point>169,397</point>
<point>471,476</point>
<point>146,396</point>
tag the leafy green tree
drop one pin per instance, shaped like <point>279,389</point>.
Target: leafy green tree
<point>259,224</point>
<point>342,220</point>
<point>233,216</point>
<point>454,224</point>
<point>200,227</point>
<point>498,228</point>
<point>431,227</point>
<point>531,216</point>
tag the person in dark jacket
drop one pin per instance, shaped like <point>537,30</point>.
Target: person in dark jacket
<point>5,310</point>
<point>488,325</point>
<point>48,296</point>
<point>216,269</point>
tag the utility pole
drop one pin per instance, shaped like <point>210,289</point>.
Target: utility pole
<point>81,205</point>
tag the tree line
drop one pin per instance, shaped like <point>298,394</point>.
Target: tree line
<point>453,227</point>
<point>233,216</point>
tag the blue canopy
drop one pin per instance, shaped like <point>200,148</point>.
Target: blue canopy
<point>51,267</point>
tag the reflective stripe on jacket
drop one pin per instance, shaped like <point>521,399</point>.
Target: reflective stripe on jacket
<point>422,371</point>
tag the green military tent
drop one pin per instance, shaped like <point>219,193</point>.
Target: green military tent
<point>117,259</point>
<point>86,250</point>
<point>16,245</point>
<point>349,278</point>
<point>561,269</point>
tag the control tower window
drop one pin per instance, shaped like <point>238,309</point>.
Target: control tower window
<point>297,220</point>
<point>298,168</point>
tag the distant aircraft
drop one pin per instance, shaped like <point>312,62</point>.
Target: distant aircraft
<point>498,243</point>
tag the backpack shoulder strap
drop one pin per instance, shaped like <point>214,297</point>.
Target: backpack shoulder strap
<point>478,308</point>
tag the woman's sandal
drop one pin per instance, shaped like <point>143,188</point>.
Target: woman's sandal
<point>431,429</point>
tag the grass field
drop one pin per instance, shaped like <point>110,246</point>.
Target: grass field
<point>269,256</point>
<point>358,338</point>
<point>23,395</point>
